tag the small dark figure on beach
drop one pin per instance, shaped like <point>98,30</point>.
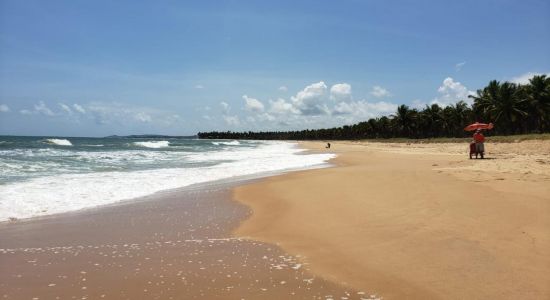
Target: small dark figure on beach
<point>479,139</point>
<point>328,146</point>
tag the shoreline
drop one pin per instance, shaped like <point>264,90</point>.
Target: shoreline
<point>414,221</point>
<point>162,246</point>
<point>236,180</point>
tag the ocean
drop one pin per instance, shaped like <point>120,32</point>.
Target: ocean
<point>48,175</point>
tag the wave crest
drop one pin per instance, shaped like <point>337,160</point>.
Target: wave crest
<point>59,142</point>
<point>232,143</point>
<point>153,144</point>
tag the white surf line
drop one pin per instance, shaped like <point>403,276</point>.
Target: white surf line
<point>126,245</point>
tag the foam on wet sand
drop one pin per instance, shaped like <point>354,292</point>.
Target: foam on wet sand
<point>170,246</point>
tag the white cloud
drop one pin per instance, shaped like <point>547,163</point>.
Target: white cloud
<point>4,108</point>
<point>379,92</point>
<point>119,113</point>
<point>232,120</point>
<point>41,108</point>
<point>309,101</point>
<point>253,105</point>
<point>524,78</point>
<point>283,88</point>
<point>281,106</point>
<point>65,108</point>
<point>419,104</point>
<point>225,107</point>
<point>79,108</point>
<point>143,117</point>
<point>312,108</point>
<point>459,66</point>
<point>364,109</point>
<point>199,86</point>
<point>340,91</point>
<point>450,92</point>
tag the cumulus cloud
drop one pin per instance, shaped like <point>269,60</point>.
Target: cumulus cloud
<point>524,78</point>
<point>340,91</point>
<point>309,101</point>
<point>311,108</point>
<point>379,92</point>
<point>364,109</point>
<point>232,120</point>
<point>253,105</point>
<point>281,106</point>
<point>451,91</point>
<point>4,108</point>
<point>283,88</point>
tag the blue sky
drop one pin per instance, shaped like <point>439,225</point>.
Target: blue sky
<point>95,68</point>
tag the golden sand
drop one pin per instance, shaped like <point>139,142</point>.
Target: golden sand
<point>418,221</point>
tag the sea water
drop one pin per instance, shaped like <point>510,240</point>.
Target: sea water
<point>48,175</point>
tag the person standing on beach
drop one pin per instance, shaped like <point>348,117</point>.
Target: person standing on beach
<point>479,139</point>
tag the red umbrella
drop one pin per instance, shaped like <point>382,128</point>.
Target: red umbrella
<point>478,125</point>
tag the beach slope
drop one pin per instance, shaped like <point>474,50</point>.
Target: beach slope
<point>415,221</point>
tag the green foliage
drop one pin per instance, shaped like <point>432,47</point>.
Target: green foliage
<point>513,108</point>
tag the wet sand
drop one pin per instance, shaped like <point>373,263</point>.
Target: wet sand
<point>175,245</point>
<point>418,221</point>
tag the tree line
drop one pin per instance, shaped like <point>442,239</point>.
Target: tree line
<point>512,108</point>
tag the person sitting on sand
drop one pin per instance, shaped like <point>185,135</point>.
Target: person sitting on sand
<point>328,146</point>
<point>479,139</point>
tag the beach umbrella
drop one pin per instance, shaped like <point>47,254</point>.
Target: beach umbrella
<point>478,125</point>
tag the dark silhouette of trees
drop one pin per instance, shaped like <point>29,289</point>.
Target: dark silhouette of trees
<point>513,108</point>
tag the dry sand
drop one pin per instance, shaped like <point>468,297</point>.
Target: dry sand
<point>417,221</point>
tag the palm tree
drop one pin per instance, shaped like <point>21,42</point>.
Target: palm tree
<point>461,116</point>
<point>538,98</point>
<point>404,120</point>
<point>484,100</point>
<point>431,120</point>
<point>502,104</point>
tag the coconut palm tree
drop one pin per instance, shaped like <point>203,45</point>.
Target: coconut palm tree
<point>538,99</point>
<point>404,120</point>
<point>431,120</point>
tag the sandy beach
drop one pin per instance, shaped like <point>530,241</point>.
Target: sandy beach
<point>415,221</point>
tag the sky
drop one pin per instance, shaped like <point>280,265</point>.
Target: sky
<point>97,68</point>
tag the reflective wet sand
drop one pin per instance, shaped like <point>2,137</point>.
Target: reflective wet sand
<point>175,245</point>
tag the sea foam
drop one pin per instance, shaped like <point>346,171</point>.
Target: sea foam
<point>153,144</point>
<point>232,143</point>
<point>59,193</point>
<point>59,142</point>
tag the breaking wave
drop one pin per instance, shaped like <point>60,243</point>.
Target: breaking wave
<point>153,144</point>
<point>59,142</point>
